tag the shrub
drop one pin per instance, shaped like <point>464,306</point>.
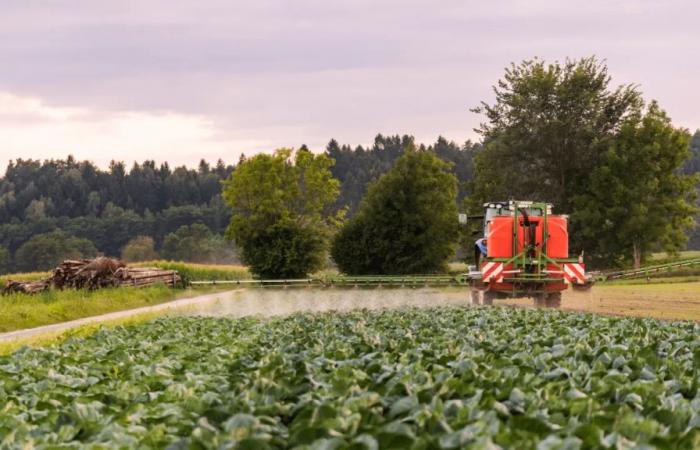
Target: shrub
<point>407,222</point>
<point>45,251</point>
<point>140,248</point>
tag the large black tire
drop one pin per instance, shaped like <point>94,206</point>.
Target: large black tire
<point>540,300</point>
<point>476,296</point>
<point>489,297</point>
<point>554,300</point>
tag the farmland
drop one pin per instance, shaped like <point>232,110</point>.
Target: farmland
<point>445,377</point>
<point>19,311</point>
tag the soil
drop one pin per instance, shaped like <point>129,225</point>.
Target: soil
<point>677,301</point>
<point>671,301</point>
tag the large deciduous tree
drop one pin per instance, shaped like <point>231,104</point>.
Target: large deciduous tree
<point>407,223</point>
<point>560,133</point>
<point>280,212</point>
<point>638,199</point>
<point>547,128</point>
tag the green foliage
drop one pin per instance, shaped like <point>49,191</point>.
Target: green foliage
<point>22,311</point>
<point>45,251</point>
<point>550,136</point>
<point>196,243</point>
<point>214,272</point>
<point>111,207</point>
<point>436,378</point>
<point>358,167</point>
<point>108,207</point>
<point>692,164</point>
<point>547,128</point>
<point>140,248</point>
<point>78,188</point>
<point>284,249</point>
<point>638,200</point>
<point>280,219</point>
<point>406,224</point>
<point>5,260</point>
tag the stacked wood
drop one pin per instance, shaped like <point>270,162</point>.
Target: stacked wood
<point>95,274</point>
<point>87,274</point>
<point>148,276</point>
<point>25,287</point>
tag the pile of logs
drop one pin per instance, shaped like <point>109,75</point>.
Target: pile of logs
<point>95,274</point>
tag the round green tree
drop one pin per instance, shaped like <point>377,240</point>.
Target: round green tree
<point>280,216</point>
<point>406,224</point>
<point>140,248</point>
<point>45,251</point>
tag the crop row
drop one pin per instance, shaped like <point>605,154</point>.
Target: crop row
<point>432,378</point>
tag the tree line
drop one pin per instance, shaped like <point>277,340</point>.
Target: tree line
<point>131,212</point>
<point>556,132</point>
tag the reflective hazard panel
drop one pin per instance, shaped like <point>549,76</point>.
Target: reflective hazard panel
<point>575,273</point>
<point>492,271</point>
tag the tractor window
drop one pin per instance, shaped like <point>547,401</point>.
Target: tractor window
<point>488,216</point>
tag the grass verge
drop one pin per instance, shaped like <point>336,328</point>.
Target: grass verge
<point>21,311</point>
<point>26,276</point>
<point>57,337</point>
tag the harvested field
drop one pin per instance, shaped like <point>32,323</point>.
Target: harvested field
<point>678,301</point>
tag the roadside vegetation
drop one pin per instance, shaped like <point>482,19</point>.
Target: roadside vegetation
<point>20,311</point>
<point>194,271</point>
<point>53,338</point>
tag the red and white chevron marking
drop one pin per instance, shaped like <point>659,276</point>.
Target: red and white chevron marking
<point>575,273</point>
<point>492,271</point>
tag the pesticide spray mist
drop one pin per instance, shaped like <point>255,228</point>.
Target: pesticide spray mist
<point>277,302</point>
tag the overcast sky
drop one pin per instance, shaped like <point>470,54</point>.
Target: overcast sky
<point>183,80</point>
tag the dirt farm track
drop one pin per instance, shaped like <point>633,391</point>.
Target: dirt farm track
<point>670,301</point>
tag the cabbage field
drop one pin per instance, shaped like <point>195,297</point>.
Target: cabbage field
<point>444,377</point>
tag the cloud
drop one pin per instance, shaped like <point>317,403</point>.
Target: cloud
<point>31,129</point>
<point>218,77</point>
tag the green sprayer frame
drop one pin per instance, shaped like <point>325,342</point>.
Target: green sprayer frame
<point>521,260</point>
<point>411,281</point>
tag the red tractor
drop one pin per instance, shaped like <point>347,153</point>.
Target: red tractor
<point>524,252</point>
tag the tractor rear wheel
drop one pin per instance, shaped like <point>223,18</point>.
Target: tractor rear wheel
<point>476,296</point>
<point>540,300</point>
<point>489,297</point>
<point>553,300</point>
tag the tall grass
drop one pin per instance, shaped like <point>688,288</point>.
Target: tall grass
<point>20,311</point>
<point>26,276</point>
<point>193,272</point>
